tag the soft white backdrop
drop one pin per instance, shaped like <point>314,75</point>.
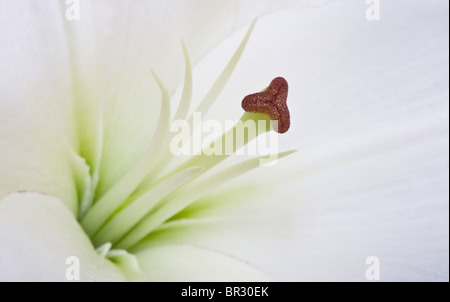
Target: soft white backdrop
<point>369,109</point>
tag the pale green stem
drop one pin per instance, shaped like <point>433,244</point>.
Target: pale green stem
<point>229,140</point>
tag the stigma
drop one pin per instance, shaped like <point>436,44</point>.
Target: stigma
<point>272,102</point>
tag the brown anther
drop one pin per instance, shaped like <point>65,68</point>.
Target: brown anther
<point>271,101</point>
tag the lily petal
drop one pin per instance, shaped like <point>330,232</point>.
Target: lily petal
<point>38,234</point>
<point>36,112</point>
<point>194,264</point>
<point>369,108</point>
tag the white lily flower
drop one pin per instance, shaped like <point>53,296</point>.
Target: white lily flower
<point>80,107</point>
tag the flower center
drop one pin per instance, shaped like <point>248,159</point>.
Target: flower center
<point>144,198</point>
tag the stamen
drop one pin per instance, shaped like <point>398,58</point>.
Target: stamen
<point>122,222</point>
<point>181,113</point>
<point>186,96</point>
<point>229,138</point>
<point>271,101</point>
<point>142,201</point>
<point>184,197</point>
<point>118,193</point>
<point>186,222</point>
<point>215,90</point>
<point>205,104</point>
<point>270,104</point>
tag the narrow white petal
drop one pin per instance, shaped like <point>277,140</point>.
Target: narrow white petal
<point>38,234</point>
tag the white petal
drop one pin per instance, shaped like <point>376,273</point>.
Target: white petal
<point>36,114</point>
<point>369,108</point>
<point>37,235</point>
<point>194,264</point>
